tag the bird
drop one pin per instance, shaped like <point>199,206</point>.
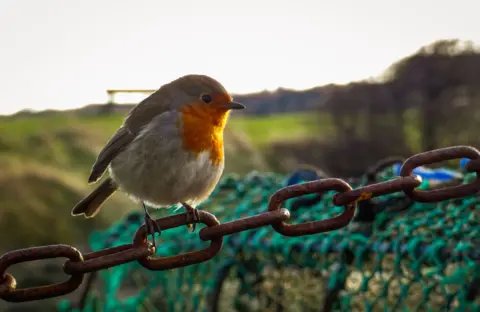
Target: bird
<point>168,151</point>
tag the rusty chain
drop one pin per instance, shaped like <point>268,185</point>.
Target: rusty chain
<point>142,251</point>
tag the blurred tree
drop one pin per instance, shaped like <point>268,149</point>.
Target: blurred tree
<point>424,101</point>
<point>434,77</point>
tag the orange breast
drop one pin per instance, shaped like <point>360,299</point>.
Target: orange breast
<point>203,130</point>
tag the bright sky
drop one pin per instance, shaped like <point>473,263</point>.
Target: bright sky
<point>62,54</point>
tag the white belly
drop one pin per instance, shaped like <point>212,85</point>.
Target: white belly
<point>163,183</point>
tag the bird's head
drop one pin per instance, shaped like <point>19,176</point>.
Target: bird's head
<point>203,97</point>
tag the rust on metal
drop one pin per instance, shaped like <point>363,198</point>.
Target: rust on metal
<point>108,258</point>
<point>377,189</point>
<point>435,156</point>
<point>182,260</point>
<point>318,186</point>
<point>244,224</point>
<point>8,290</point>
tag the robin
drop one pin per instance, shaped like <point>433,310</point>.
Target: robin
<point>168,151</point>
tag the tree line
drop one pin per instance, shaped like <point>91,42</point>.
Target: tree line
<point>427,100</point>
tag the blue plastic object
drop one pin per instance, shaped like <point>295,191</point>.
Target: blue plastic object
<point>441,174</point>
<point>463,162</point>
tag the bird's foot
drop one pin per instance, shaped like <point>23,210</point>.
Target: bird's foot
<point>192,217</point>
<point>151,226</point>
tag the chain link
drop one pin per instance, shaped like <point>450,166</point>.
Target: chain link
<point>189,258</point>
<point>142,251</point>
<point>8,287</point>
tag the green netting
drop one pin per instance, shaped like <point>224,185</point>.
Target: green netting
<point>410,257</point>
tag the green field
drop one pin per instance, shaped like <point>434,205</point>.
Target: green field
<point>264,130</point>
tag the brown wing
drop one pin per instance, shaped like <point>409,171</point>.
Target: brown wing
<point>154,105</point>
<point>119,140</point>
<point>157,103</point>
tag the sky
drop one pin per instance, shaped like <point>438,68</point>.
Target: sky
<point>63,54</point>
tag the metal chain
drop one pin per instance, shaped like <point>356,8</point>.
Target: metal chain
<point>142,251</point>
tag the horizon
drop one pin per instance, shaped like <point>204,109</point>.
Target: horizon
<point>65,56</point>
<point>141,97</point>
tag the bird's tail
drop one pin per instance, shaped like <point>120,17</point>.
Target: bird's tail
<point>90,205</point>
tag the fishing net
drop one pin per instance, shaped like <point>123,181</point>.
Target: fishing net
<point>396,255</point>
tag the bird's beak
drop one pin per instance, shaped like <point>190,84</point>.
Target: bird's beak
<point>234,105</point>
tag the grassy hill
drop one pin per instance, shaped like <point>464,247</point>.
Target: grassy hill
<point>45,161</point>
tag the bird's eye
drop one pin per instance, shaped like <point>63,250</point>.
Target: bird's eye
<point>206,98</point>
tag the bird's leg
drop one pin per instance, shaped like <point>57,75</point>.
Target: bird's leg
<point>151,225</point>
<point>192,216</point>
